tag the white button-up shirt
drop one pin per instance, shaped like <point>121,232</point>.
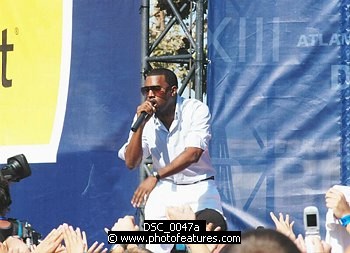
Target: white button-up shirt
<point>190,128</point>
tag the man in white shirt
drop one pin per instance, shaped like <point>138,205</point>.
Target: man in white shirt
<point>176,134</point>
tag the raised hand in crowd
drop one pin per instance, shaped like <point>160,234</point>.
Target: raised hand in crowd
<point>183,212</point>
<point>52,242</point>
<point>211,227</point>
<point>300,242</point>
<point>3,248</point>
<point>214,248</point>
<point>127,223</point>
<point>313,244</point>
<point>73,239</point>
<point>16,245</point>
<point>14,250</point>
<point>283,225</point>
<point>336,201</point>
<point>95,247</point>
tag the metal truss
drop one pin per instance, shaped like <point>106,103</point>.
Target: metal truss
<point>193,59</point>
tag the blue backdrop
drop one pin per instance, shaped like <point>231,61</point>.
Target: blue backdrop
<point>275,97</point>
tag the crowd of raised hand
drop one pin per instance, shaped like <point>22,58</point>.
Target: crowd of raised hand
<point>64,239</point>
<point>338,233</point>
<point>67,239</point>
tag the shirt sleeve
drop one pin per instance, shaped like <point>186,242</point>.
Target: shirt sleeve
<point>199,133</point>
<point>145,151</point>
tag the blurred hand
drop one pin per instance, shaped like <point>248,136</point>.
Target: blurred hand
<point>16,245</point>
<point>3,248</point>
<point>73,239</point>
<point>314,244</point>
<point>51,242</point>
<point>210,227</point>
<point>300,242</point>
<point>97,248</point>
<point>180,213</point>
<point>283,225</point>
<point>125,224</point>
<point>336,201</point>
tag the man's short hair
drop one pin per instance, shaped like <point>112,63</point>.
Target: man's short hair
<point>212,216</point>
<point>170,76</point>
<point>5,197</point>
<point>262,241</point>
<point>138,250</point>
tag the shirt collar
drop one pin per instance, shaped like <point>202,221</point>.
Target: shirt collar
<point>177,115</point>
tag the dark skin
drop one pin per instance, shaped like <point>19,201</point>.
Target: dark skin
<point>163,106</point>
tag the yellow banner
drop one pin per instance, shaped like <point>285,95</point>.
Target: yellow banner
<point>35,64</point>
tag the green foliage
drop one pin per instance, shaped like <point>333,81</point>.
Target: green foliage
<point>175,41</point>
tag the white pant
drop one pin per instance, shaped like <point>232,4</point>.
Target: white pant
<point>199,196</point>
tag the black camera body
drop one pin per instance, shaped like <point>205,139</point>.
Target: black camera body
<point>15,170</point>
<point>22,229</point>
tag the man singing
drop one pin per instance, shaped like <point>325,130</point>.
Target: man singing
<point>176,134</point>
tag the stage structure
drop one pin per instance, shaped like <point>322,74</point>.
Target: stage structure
<point>188,16</point>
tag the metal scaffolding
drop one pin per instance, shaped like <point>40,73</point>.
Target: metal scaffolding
<point>193,30</point>
<point>189,15</point>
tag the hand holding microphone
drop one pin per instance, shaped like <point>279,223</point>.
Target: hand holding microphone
<point>146,110</point>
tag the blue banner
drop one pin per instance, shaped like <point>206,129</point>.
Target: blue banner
<point>275,99</point>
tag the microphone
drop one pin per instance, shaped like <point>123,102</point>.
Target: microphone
<point>142,117</point>
<point>139,121</point>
